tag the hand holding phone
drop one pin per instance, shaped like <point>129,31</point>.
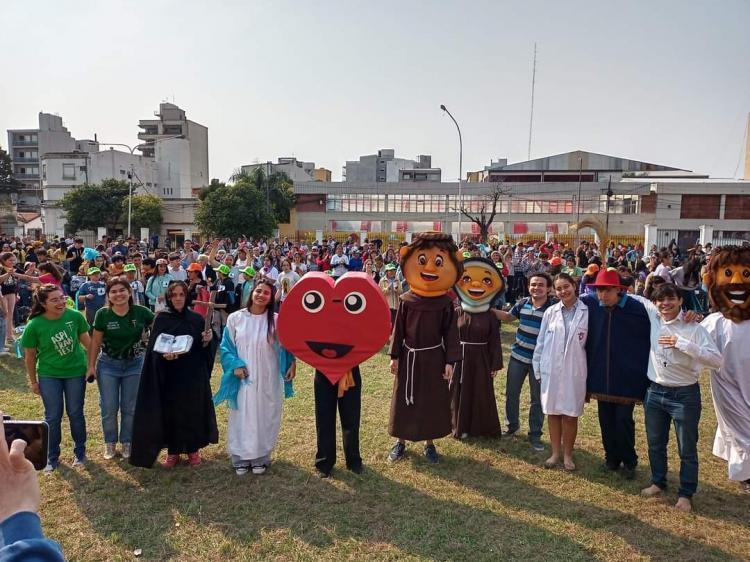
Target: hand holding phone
<point>23,446</point>
<point>19,486</point>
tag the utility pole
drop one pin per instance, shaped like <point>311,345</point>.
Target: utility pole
<point>130,197</point>
<point>609,196</point>
<point>531,117</point>
<point>578,200</point>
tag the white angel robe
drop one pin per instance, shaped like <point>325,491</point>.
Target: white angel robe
<point>254,426</point>
<point>730,389</point>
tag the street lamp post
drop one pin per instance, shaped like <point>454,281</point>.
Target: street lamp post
<point>460,169</point>
<point>130,175</point>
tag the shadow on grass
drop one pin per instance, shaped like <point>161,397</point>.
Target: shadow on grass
<point>516,494</point>
<point>369,508</point>
<point>13,374</point>
<point>709,501</point>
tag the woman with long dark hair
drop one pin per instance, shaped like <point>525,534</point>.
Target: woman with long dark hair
<point>119,329</point>
<point>251,353</point>
<point>174,407</point>
<point>55,342</point>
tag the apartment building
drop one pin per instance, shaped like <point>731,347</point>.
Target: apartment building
<point>384,167</point>
<point>297,170</point>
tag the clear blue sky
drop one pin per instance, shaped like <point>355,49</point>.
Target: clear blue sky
<point>662,81</point>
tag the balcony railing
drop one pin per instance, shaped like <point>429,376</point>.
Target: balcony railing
<point>26,176</point>
<point>17,142</point>
<point>25,159</point>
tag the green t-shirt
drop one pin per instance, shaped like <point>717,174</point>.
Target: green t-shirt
<point>123,335</point>
<point>59,353</point>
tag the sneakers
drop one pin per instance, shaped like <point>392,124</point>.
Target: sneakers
<point>49,469</point>
<point>126,447</point>
<point>537,446</point>
<point>194,459</point>
<point>109,451</point>
<point>397,452</point>
<point>170,461</point>
<point>509,432</point>
<point>356,469</point>
<point>241,470</point>
<point>78,462</point>
<point>322,475</point>
<point>259,469</point>
<point>628,472</point>
<point>5,353</point>
<point>431,454</point>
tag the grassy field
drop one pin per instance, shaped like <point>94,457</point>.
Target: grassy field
<point>486,500</point>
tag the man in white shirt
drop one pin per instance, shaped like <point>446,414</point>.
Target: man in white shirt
<point>679,352</point>
<point>663,270</point>
<point>339,262</point>
<point>175,268</point>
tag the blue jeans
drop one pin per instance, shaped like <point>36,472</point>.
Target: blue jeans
<point>682,406</point>
<point>118,390</point>
<point>73,392</point>
<point>3,327</point>
<point>517,372</point>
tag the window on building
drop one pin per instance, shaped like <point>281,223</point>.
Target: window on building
<point>44,171</point>
<point>69,171</point>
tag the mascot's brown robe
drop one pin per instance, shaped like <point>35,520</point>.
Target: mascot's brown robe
<point>420,405</point>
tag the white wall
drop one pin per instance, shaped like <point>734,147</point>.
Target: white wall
<point>197,135</point>
<point>174,169</point>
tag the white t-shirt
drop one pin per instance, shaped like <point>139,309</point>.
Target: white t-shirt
<point>286,281</point>
<point>339,264</point>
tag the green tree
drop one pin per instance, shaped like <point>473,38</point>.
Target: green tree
<point>145,212</point>
<point>235,210</point>
<point>90,206</point>
<point>7,181</point>
<point>214,185</point>
<point>277,188</point>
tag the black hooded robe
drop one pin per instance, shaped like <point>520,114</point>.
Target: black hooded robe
<point>174,409</point>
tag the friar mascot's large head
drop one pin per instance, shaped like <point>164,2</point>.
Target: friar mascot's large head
<point>728,282</point>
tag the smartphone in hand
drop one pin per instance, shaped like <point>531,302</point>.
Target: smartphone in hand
<point>36,435</point>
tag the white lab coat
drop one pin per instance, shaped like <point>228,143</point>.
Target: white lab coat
<point>560,364</point>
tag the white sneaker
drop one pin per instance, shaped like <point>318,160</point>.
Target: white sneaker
<point>259,469</point>
<point>79,462</point>
<point>49,469</point>
<point>126,450</point>
<point>240,470</point>
<point>109,451</point>
<point>4,353</point>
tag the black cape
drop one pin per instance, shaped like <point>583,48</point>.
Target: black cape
<point>174,408</point>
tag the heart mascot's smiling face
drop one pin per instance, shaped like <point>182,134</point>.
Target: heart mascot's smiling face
<point>334,326</point>
<point>431,264</point>
<point>729,282</point>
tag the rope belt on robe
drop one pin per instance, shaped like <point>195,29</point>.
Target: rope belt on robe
<point>411,358</point>
<point>463,354</point>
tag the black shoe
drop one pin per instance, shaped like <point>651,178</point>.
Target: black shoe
<point>356,469</point>
<point>431,454</point>
<point>609,467</point>
<point>628,472</point>
<point>509,432</point>
<point>745,485</point>
<point>322,475</point>
<point>397,452</point>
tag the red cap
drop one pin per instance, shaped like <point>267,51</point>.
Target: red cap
<point>607,278</point>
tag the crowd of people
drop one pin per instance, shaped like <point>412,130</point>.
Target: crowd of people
<point>615,324</point>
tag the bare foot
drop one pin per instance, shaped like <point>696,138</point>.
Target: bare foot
<point>568,464</point>
<point>684,504</point>
<point>552,462</point>
<point>652,491</point>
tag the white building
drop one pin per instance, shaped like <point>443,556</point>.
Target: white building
<point>26,146</point>
<point>297,170</point>
<point>189,169</point>
<point>385,167</point>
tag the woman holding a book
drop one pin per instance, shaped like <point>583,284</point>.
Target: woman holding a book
<point>118,333</point>
<point>174,407</point>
